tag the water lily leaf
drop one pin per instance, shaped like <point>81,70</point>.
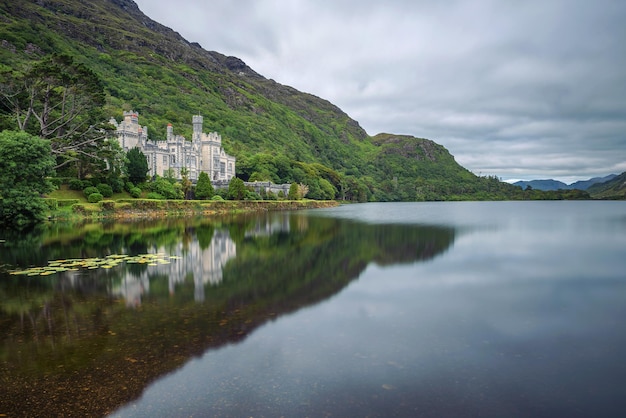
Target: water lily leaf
<point>109,261</point>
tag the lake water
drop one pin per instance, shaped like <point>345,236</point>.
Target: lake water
<point>490,309</point>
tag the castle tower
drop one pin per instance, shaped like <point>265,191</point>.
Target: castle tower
<point>197,128</point>
<point>170,132</point>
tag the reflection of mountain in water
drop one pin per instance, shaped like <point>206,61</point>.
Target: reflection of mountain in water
<point>205,265</point>
<point>90,354</point>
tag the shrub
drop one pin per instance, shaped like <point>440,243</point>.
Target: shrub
<point>67,202</point>
<point>117,184</point>
<point>56,182</point>
<point>166,189</point>
<point>129,186</point>
<point>178,192</point>
<point>76,184</point>
<point>154,195</point>
<point>105,190</point>
<point>217,197</point>
<point>66,180</point>
<point>135,192</point>
<point>95,198</point>
<point>223,193</point>
<point>90,190</point>
<point>252,196</point>
<point>52,204</point>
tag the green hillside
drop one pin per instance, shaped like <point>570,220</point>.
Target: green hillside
<point>612,189</point>
<point>276,132</point>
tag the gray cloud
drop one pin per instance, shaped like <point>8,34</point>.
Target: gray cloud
<point>532,89</point>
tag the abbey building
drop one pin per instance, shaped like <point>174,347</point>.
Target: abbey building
<point>203,153</point>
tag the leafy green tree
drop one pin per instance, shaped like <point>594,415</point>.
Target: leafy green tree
<point>293,192</point>
<point>166,189</point>
<point>204,188</point>
<point>114,159</point>
<point>328,190</point>
<point>236,189</point>
<point>303,190</point>
<point>136,166</point>
<point>24,167</point>
<point>59,100</point>
<point>185,182</point>
<point>170,175</point>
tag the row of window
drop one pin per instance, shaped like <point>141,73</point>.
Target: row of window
<point>191,161</point>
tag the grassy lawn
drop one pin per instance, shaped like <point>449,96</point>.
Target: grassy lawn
<point>65,193</point>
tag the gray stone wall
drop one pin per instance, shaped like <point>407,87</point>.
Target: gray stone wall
<point>257,186</point>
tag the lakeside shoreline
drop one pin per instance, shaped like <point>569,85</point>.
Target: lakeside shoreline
<point>128,209</point>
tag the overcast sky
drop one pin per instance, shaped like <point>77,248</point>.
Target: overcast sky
<point>517,89</point>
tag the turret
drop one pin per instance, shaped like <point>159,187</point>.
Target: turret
<point>197,127</point>
<point>131,117</point>
<point>170,131</point>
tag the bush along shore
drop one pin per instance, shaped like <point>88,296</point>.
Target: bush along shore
<point>63,209</point>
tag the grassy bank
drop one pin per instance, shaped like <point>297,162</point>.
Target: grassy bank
<point>128,208</point>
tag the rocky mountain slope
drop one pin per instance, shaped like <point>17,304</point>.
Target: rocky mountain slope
<point>612,189</point>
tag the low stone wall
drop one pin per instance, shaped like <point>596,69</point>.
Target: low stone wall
<point>257,186</point>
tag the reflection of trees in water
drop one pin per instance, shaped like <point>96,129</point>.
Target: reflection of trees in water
<point>61,339</point>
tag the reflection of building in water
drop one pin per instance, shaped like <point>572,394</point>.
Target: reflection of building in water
<point>133,288</point>
<point>204,265</point>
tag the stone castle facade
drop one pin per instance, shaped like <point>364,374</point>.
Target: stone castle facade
<point>203,153</point>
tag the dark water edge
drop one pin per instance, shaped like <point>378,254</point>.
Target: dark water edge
<point>366,310</point>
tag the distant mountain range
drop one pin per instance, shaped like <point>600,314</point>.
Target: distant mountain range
<point>551,184</point>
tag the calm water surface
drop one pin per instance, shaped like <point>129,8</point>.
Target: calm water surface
<point>499,309</point>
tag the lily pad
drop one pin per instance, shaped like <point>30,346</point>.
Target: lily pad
<point>108,262</point>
